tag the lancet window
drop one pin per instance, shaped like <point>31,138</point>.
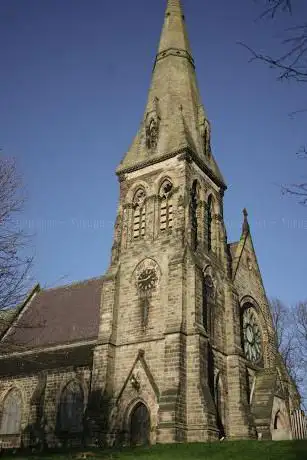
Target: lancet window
<point>11,413</point>
<point>194,209</point>
<point>209,222</point>
<point>71,408</point>
<point>139,214</point>
<point>208,300</point>
<point>166,206</point>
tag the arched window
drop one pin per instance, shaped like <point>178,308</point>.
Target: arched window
<point>208,299</point>
<point>139,214</point>
<point>166,206</point>
<point>220,404</point>
<point>194,208</point>
<point>11,413</point>
<point>70,413</point>
<point>209,222</point>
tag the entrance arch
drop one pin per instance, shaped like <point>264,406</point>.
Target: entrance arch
<point>139,425</point>
<point>280,429</point>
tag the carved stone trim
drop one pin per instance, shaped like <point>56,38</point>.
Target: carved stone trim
<point>175,52</point>
<point>186,150</point>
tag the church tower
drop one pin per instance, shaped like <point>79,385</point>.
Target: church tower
<point>185,327</point>
<point>175,343</point>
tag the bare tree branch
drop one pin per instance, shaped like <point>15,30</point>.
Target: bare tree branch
<point>289,66</point>
<point>14,264</point>
<point>291,338</point>
<point>300,314</point>
<point>299,190</point>
<point>285,337</point>
<point>274,6</point>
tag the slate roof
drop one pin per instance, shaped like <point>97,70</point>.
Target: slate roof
<point>57,316</point>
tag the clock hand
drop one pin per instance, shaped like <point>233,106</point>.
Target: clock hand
<point>147,278</point>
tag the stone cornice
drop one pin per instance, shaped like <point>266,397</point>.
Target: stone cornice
<point>48,349</point>
<point>187,154</point>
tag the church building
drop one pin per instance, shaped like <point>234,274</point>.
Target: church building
<point>175,343</point>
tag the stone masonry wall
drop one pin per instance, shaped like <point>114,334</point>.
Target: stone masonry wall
<point>27,385</point>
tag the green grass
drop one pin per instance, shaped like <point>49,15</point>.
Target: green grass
<point>236,450</point>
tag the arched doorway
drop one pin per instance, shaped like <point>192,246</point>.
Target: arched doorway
<point>139,425</point>
<point>280,427</point>
<point>278,422</point>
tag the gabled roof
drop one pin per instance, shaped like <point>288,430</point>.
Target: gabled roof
<point>56,316</point>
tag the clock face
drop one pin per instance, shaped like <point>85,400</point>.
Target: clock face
<point>252,341</point>
<point>147,279</point>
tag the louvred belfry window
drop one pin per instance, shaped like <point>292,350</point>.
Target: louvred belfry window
<point>139,214</point>
<point>166,206</point>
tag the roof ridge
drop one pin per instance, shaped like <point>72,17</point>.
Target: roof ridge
<point>73,284</point>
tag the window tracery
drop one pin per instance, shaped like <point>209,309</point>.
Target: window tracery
<point>166,206</point>
<point>251,334</point>
<point>11,413</point>
<point>139,214</point>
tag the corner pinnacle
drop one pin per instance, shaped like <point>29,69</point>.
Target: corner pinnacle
<point>245,226</point>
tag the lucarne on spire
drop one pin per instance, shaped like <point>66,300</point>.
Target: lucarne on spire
<point>175,119</point>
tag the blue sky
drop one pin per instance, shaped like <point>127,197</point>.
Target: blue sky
<point>73,84</point>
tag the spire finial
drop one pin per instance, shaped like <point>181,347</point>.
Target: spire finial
<point>245,227</point>
<point>174,35</point>
<point>174,5</point>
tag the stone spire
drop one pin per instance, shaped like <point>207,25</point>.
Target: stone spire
<point>174,34</point>
<point>175,120</point>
